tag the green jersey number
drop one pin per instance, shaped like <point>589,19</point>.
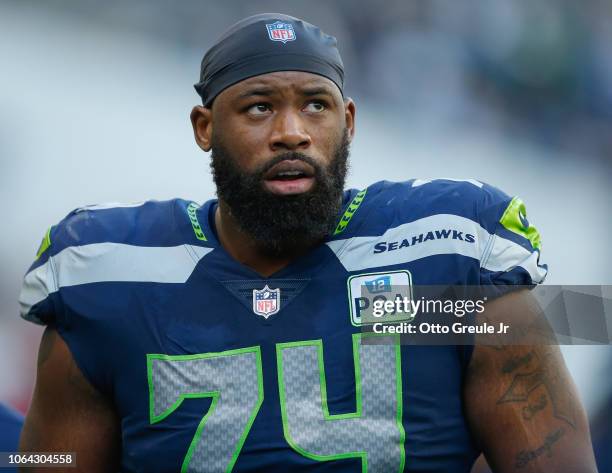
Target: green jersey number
<point>234,379</point>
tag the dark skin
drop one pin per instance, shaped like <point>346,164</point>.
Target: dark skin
<point>263,117</point>
<point>67,414</point>
<point>519,401</point>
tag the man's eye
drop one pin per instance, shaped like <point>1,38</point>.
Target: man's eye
<point>258,109</point>
<point>315,107</point>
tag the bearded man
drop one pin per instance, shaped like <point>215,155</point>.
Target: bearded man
<point>230,336</point>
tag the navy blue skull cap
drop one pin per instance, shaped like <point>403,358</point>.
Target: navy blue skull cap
<point>264,43</point>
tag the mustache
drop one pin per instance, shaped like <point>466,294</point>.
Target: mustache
<point>289,156</point>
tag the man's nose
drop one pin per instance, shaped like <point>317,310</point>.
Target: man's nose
<point>289,132</point>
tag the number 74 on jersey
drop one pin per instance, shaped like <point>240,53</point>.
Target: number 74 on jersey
<point>234,381</point>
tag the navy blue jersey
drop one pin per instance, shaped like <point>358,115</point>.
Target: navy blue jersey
<point>10,428</point>
<point>214,368</point>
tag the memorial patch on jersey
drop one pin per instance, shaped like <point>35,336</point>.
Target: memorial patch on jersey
<point>281,31</point>
<point>515,220</point>
<point>366,289</point>
<point>44,244</point>
<point>266,301</point>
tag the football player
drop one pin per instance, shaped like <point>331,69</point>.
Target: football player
<point>228,336</point>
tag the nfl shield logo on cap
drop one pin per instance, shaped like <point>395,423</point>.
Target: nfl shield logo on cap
<point>280,31</point>
<point>266,302</point>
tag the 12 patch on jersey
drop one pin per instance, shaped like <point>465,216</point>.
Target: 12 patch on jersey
<point>365,290</point>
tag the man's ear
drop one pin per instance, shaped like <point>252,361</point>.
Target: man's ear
<point>201,120</point>
<point>349,116</point>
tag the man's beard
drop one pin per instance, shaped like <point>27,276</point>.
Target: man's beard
<point>282,224</point>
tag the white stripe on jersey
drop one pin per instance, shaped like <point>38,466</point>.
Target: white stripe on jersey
<point>506,255</point>
<point>111,205</point>
<point>494,254</point>
<point>108,262</point>
<point>420,182</point>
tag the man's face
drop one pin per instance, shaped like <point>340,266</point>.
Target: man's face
<point>279,154</point>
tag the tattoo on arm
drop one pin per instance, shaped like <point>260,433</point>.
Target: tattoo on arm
<point>516,362</point>
<point>532,409</point>
<point>547,374</point>
<point>524,457</point>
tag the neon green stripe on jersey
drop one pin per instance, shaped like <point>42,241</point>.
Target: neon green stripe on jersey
<point>193,218</point>
<point>515,220</point>
<point>44,244</point>
<point>350,211</point>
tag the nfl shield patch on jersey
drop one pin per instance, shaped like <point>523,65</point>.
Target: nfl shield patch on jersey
<point>280,31</point>
<point>266,301</point>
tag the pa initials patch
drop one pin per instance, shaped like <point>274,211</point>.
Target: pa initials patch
<point>366,289</point>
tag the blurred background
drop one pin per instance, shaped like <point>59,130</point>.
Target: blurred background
<point>95,100</point>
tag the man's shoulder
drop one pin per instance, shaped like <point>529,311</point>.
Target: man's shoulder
<point>145,223</point>
<point>151,241</point>
<point>404,221</point>
<point>387,204</point>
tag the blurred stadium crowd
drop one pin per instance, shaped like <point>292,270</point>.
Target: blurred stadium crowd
<point>541,69</point>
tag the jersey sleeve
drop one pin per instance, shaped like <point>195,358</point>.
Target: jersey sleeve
<point>512,255</point>
<point>92,244</point>
<point>38,300</point>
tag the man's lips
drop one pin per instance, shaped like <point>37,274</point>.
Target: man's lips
<point>289,177</point>
<point>290,168</point>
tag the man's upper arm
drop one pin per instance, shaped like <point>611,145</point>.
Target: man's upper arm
<point>67,414</point>
<point>521,403</point>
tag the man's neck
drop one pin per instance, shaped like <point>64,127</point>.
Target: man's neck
<point>244,249</point>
